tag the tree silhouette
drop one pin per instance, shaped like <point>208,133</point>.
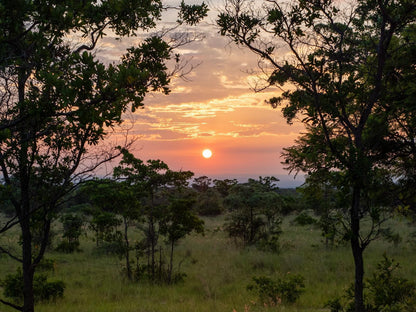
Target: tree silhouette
<point>58,101</point>
<point>338,70</point>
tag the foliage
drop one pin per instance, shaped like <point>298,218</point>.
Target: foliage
<point>224,186</point>
<point>177,222</point>
<point>270,239</point>
<point>347,80</point>
<point>254,209</point>
<point>274,292</point>
<point>192,14</point>
<point>165,209</point>
<point>42,288</point>
<point>201,184</point>
<point>209,203</point>
<point>59,100</point>
<point>384,292</point>
<point>217,272</point>
<point>46,265</point>
<point>304,219</point>
<point>392,237</point>
<point>104,225</point>
<point>72,224</point>
<point>330,225</point>
<point>388,292</point>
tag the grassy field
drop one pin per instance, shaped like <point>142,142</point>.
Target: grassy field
<point>218,273</point>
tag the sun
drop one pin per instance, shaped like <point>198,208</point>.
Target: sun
<point>207,153</point>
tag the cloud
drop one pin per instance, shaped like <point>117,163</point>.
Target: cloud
<point>215,107</point>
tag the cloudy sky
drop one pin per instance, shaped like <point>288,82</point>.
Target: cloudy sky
<point>215,108</point>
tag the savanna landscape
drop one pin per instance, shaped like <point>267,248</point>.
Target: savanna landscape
<point>88,222</point>
<point>217,271</point>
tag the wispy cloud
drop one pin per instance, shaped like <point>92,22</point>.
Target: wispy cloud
<point>214,107</point>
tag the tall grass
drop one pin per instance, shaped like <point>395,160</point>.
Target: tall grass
<point>217,273</point>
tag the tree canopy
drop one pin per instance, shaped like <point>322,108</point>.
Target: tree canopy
<point>58,99</point>
<point>344,70</point>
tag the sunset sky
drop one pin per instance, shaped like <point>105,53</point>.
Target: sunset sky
<point>214,108</point>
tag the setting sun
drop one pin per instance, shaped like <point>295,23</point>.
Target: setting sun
<point>207,153</point>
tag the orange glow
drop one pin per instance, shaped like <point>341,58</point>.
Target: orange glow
<point>213,124</point>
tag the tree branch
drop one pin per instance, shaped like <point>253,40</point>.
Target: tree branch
<point>16,307</point>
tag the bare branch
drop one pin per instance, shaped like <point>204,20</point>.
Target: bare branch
<point>10,254</point>
<point>14,306</point>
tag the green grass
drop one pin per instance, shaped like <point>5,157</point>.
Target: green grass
<point>218,273</point>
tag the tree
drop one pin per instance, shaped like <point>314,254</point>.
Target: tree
<point>339,71</point>
<point>105,226</point>
<point>209,203</point>
<point>113,199</point>
<point>202,184</point>
<point>224,186</point>
<point>402,120</point>
<point>322,194</point>
<point>147,181</point>
<point>58,100</point>
<point>178,222</point>
<point>72,224</point>
<point>254,208</point>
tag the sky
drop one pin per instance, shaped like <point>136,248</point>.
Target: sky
<point>215,107</point>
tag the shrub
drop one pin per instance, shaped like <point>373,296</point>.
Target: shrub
<point>392,237</point>
<point>68,247</point>
<point>334,305</point>
<point>46,265</point>
<point>270,240</point>
<point>275,292</point>
<point>209,203</point>
<point>46,291</point>
<point>304,219</point>
<point>72,224</point>
<point>388,292</point>
<point>384,292</point>
<point>42,289</point>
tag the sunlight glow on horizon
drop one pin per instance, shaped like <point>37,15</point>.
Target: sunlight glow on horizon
<point>216,108</point>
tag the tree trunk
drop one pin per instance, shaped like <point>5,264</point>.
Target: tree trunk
<point>357,251</point>
<point>251,238</point>
<point>160,264</point>
<point>28,269</point>
<point>171,260</point>
<point>127,249</point>
<point>153,246</point>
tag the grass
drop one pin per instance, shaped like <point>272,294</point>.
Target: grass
<point>218,273</point>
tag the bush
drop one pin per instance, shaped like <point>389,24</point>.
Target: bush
<point>68,247</point>
<point>42,289</point>
<point>384,292</point>
<point>334,305</point>
<point>47,291</point>
<point>304,219</point>
<point>209,203</point>
<point>392,237</point>
<point>244,228</point>
<point>272,292</point>
<point>270,240</point>
<point>46,265</point>
<point>388,292</point>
